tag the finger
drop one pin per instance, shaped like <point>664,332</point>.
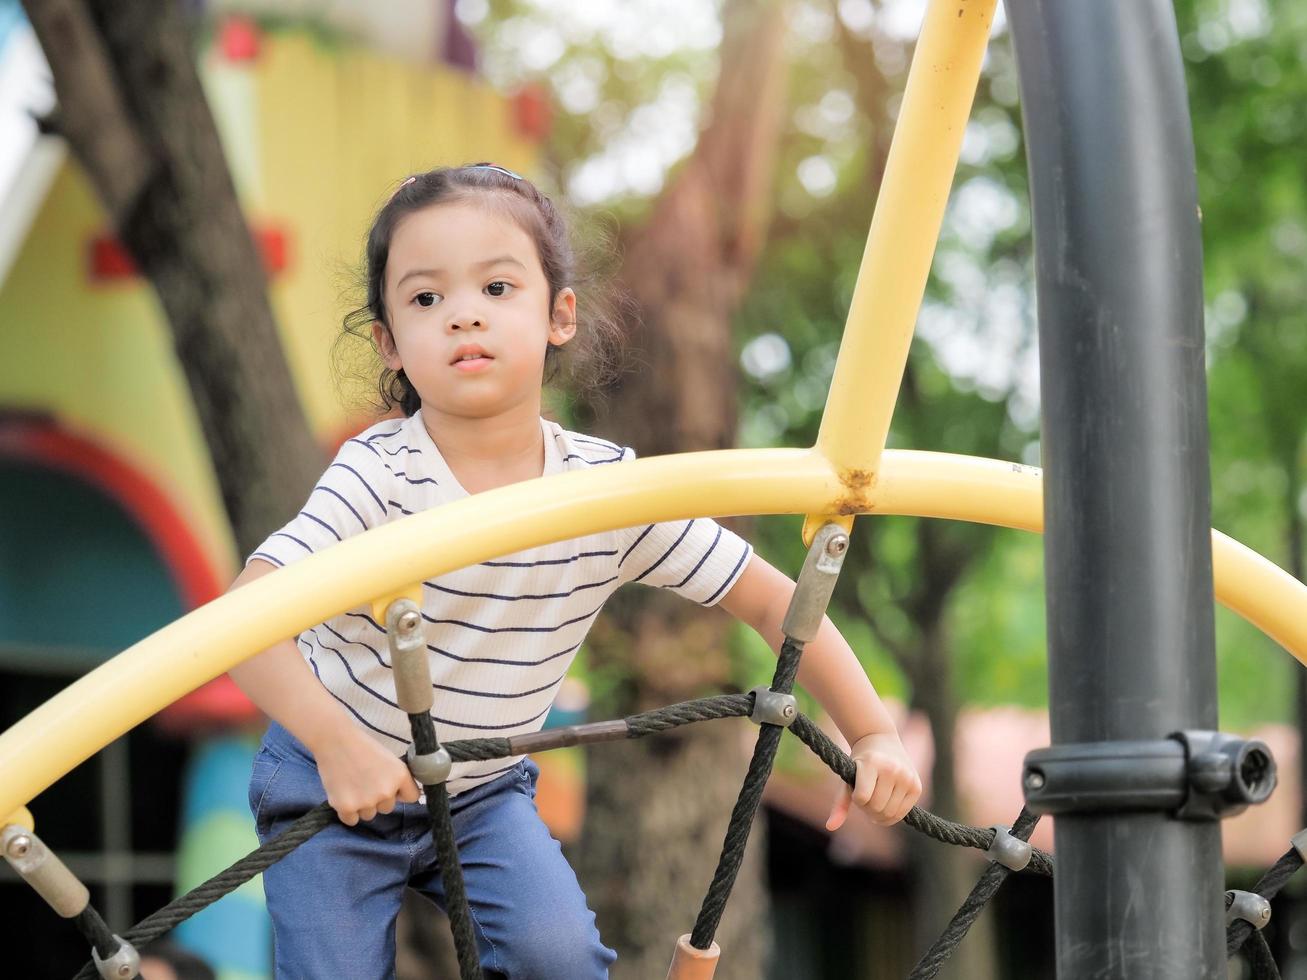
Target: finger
<point>865,784</point>
<point>347,816</point>
<point>839,811</point>
<point>409,792</point>
<point>909,800</point>
<point>894,808</point>
<point>386,805</point>
<point>885,786</point>
<point>367,813</point>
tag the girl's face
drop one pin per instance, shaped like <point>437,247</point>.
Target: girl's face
<point>469,310</point>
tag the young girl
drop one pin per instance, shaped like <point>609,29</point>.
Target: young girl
<point>469,292</point>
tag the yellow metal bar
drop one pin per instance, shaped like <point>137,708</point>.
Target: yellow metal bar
<point>901,243</point>
<point>381,603</point>
<point>112,699</point>
<point>22,817</point>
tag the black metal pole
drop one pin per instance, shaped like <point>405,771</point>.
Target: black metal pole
<point>1127,496</point>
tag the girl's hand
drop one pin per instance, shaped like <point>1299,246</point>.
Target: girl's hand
<point>362,779</point>
<point>886,786</point>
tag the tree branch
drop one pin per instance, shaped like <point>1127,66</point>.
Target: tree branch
<point>91,113</point>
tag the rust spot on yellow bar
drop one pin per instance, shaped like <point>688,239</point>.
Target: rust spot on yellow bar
<point>857,500</point>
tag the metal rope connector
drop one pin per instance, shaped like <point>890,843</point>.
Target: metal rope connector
<point>39,867</point>
<point>816,582</point>
<point>1248,906</point>
<point>1008,849</point>
<point>408,657</point>
<point>430,768</point>
<point>122,965</point>
<point>1299,842</point>
<point>772,707</point>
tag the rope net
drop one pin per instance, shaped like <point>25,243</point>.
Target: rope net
<point>1240,936</point>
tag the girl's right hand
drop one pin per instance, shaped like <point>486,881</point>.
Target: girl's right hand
<point>362,779</point>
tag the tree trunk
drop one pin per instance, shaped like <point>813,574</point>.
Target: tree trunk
<point>132,109</point>
<point>657,808</point>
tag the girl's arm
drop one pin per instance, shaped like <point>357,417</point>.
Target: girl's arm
<point>361,778</point>
<point>887,785</point>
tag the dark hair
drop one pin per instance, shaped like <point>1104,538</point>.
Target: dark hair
<point>599,330</point>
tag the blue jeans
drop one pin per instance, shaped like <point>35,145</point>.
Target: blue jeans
<point>334,899</point>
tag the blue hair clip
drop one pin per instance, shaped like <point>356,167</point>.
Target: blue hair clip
<point>491,166</point>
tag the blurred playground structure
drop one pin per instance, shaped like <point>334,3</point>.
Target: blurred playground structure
<point>85,374</point>
<point>104,473</point>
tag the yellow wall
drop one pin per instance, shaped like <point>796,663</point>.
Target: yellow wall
<point>317,136</point>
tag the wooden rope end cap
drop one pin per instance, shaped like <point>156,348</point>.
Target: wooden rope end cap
<point>689,963</point>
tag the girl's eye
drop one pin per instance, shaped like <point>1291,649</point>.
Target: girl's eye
<point>426,299</point>
<point>498,288</point>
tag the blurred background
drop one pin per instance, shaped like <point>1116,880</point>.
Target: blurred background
<point>184,190</point>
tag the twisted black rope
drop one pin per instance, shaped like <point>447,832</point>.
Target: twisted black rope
<point>922,821</point>
<point>201,896</point>
<point>1260,958</point>
<point>746,806</point>
<point>985,889</point>
<point>451,871</point>
<point>96,931</point>
<point>639,726</point>
<point>1268,886</point>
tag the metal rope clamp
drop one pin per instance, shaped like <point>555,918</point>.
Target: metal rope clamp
<point>1249,906</point>
<point>122,965</point>
<point>408,657</point>
<point>1008,849</point>
<point>772,707</point>
<point>413,692</point>
<point>431,768</point>
<point>1299,842</point>
<point>41,868</point>
<point>816,582</point>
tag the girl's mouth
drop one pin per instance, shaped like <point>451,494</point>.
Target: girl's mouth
<point>471,357</point>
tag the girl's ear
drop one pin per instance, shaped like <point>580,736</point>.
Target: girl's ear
<point>562,324</point>
<point>385,345</point>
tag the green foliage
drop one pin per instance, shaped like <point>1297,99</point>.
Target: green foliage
<point>1247,86</point>
<point>969,389</point>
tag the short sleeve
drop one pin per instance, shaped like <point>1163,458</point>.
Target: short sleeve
<point>349,498</point>
<point>698,559</point>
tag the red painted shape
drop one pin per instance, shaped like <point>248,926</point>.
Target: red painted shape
<point>110,260</point>
<point>217,705</point>
<point>274,245</point>
<point>198,580</point>
<point>533,115</point>
<point>239,39</point>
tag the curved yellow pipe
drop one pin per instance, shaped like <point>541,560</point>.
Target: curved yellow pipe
<point>110,700</point>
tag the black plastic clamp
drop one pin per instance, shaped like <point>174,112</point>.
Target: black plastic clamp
<point>1008,849</point>
<point>1198,775</point>
<point>1249,906</point>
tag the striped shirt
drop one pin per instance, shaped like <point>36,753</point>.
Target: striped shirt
<point>501,634</point>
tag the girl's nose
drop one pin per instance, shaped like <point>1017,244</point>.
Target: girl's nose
<point>465,323</point>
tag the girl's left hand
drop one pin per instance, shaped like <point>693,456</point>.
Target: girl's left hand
<point>886,786</point>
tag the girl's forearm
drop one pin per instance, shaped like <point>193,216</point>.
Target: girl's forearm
<point>830,671</point>
<point>828,668</point>
<point>283,687</point>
